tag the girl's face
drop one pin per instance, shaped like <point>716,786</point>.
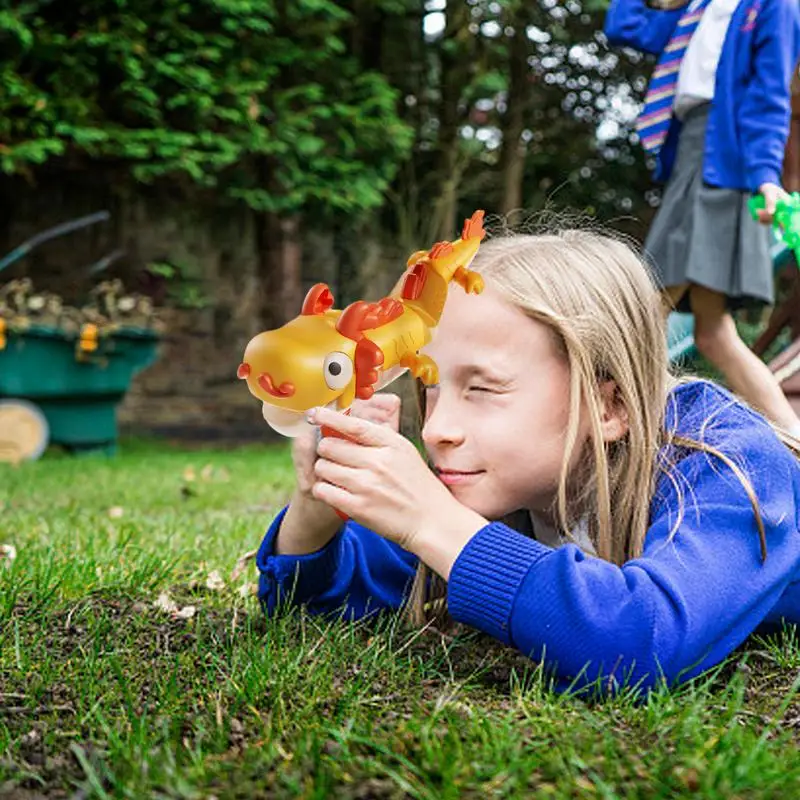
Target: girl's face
<point>495,425</point>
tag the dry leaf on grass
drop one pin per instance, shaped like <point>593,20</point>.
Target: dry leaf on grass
<point>214,581</point>
<point>167,604</point>
<point>212,473</point>
<point>115,512</point>
<point>247,590</point>
<point>241,564</point>
<point>188,474</point>
<point>7,554</point>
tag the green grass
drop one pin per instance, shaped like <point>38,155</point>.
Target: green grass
<point>102,694</point>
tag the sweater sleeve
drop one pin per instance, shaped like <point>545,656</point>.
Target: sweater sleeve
<point>358,572</point>
<point>766,108</point>
<point>631,23</point>
<point>680,608</point>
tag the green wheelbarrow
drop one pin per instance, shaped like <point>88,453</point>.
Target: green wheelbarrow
<point>63,387</point>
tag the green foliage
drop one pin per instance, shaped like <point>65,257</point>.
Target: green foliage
<point>574,88</point>
<point>184,286</point>
<point>256,97</point>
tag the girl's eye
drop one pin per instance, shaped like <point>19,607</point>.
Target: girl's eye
<point>483,389</point>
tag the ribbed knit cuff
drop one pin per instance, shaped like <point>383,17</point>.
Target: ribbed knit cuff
<point>295,575</point>
<point>486,577</point>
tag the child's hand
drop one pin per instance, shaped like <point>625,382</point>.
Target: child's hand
<point>378,478</point>
<point>381,408</point>
<point>772,193</point>
<point>309,523</point>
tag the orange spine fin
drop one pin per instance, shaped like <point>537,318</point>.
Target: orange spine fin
<point>473,227</point>
<point>362,316</point>
<point>440,249</point>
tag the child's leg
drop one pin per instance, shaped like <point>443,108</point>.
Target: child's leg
<point>716,337</point>
<point>671,296</point>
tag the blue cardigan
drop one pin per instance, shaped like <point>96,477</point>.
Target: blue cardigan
<point>749,121</point>
<point>675,611</point>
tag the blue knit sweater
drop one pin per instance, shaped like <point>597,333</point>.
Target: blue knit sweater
<point>749,121</point>
<point>675,611</point>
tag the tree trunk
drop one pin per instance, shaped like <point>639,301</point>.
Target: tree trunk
<point>279,268</point>
<point>791,174</point>
<point>514,150</point>
<point>455,66</point>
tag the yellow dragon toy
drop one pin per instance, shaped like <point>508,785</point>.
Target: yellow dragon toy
<point>329,357</point>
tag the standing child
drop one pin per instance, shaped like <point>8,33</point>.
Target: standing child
<point>660,518</point>
<point>716,117</point>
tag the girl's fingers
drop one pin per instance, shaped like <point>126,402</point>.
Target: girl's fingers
<point>345,452</point>
<point>359,430</point>
<point>346,477</point>
<point>386,402</point>
<point>334,496</point>
<point>380,408</point>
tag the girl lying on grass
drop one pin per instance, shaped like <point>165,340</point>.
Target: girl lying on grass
<point>582,504</point>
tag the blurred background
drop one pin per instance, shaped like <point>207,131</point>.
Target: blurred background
<point>216,158</point>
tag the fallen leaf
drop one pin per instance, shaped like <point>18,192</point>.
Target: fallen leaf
<point>214,581</point>
<point>31,737</point>
<point>207,472</point>
<point>166,603</point>
<point>241,564</point>
<point>7,554</point>
<point>188,474</point>
<point>115,512</point>
<point>247,590</point>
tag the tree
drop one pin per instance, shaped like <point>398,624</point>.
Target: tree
<point>258,100</point>
<point>522,104</point>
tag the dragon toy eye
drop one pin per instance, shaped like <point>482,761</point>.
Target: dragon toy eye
<point>338,370</point>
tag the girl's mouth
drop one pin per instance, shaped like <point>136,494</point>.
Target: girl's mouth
<point>455,477</point>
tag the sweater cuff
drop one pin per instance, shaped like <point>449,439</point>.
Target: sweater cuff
<point>297,575</point>
<point>486,577</point>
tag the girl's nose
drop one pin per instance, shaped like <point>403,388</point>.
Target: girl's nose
<point>442,425</point>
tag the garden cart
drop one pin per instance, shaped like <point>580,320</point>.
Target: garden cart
<point>63,371</point>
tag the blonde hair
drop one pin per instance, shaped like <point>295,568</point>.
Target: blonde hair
<point>602,305</point>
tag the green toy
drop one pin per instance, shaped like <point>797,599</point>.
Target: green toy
<point>786,220</point>
<point>786,234</point>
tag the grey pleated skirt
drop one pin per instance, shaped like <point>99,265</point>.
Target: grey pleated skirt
<point>705,235</point>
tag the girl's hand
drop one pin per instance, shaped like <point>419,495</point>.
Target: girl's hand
<point>381,409</point>
<point>310,524</point>
<point>378,478</point>
<point>772,194</point>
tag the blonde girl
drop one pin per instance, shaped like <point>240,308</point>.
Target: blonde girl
<point>578,502</point>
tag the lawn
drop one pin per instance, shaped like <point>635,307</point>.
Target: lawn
<point>133,664</point>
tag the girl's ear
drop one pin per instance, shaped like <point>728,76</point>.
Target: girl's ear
<point>614,416</point>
